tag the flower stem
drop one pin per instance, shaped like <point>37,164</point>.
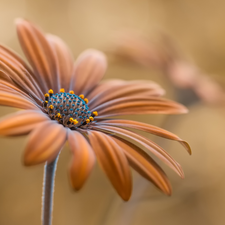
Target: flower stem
<point>48,190</point>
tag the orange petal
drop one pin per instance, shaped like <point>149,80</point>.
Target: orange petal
<point>147,128</point>
<point>14,100</point>
<point>15,79</point>
<point>145,165</point>
<point>139,105</point>
<point>38,52</point>
<point>126,89</point>
<point>89,69</point>
<point>21,122</point>
<point>12,89</point>
<point>113,162</point>
<point>21,69</point>
<point>148,144</point>
<point>64,61</point>
<point>45,143</point>
<point>83,159</point>
<point>104,86</point>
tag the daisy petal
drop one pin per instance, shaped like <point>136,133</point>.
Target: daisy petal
<point>14,100</point>
<point>13,78</point>
<point>145,165</point>
<point>104,86</point>
<point>45,143</point>
<point>38,52</point>
<point>89,69</point>
<point>21,69</point>
<point>83,159</point>
<point>5,77</point>
<point>21,123</point>
<point>10,88</point>
<point>147,128</point>
<point>139,105</point>
<point>64,61</point>
<point>126,89</point>
<point>113,161</point>
<point>148,144</point>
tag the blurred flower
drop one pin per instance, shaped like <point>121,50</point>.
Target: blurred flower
<point>66,114</point>
<point>167,57</point>
<point>135,47</point>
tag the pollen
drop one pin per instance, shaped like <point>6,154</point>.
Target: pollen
<point>75,121</point>
<point>68,109</point>
<point>50,92</point>
<point>86,100</point>
<point>58,115</point>
<point>81,96</point>
<point>95,113</point>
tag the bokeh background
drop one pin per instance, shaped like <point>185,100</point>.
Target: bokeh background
<point>197,27</point>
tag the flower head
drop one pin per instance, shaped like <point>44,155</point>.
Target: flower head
<point>63,101</point>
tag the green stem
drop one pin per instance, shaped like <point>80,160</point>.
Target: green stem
<point>48,191</point>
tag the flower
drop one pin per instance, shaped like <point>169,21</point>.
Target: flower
<point>63,101</point>
<point>169,59</point>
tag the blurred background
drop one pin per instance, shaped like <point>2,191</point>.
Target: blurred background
<point>191,32</point>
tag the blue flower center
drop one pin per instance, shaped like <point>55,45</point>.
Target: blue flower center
<point>68,109</point>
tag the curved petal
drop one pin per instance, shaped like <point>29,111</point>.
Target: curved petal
<point>83,159</point>
<point>104,86</point>
<point>10,88</point>
<point>147,128</point>
<point>38,52</point>
<point>89,69</point>
<point>5,77</point>
<point>17,65</point>
<point>145,165</point>
<point>150,145</point>
<point>64,61</point>
<point>126,89</point>
<point>13,78</point>
<point>139,105</point>
<point>14,100</point>
<point>21,123</point>
<point>113,162</point>
<point>45,143</point>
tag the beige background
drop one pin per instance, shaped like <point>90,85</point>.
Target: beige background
<point>198,28</point>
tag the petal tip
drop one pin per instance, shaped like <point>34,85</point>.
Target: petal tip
<point>28,162</point>
<point>187,147</point>
<point>19,21</point>
<point>96,54</point>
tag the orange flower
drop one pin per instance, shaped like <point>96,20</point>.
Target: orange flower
<point>63,101</point>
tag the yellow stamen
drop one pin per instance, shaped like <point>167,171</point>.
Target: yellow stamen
<point>71,119</point>
<point>51,107</point>
<point>62,90</point>
<point>75,121</point>
<point>46,95</point>
<point>86,100</point>
<point>71,92</point>
<point>58,115</point>
<point>91,118</point>
<point>95,113</point>
<point>50,91</point>
<point>46,102</point>
<point>87,121</point>
<point>81,96</point>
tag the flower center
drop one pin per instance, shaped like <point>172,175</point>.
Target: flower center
<point>68,109</point>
